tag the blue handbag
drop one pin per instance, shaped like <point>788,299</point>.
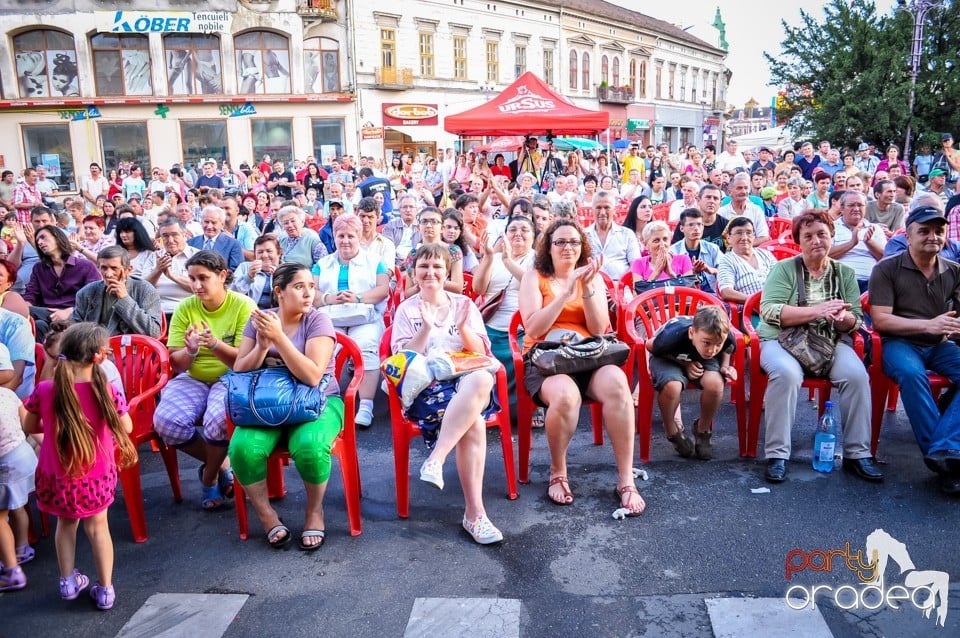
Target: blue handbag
<point>272,397</point>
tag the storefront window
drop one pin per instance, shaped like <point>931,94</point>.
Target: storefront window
<point>321,64</point>
<point>121,64</point>
<point>273,138</point>
<point>125,143</point>
<point>263,63</point>
<point>46,64</point>
<point>200,140</point>
<point>193,64</point>
<point>327,139</point>
<point>49,146</point>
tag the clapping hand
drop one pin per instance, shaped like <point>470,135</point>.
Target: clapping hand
<point>268,327</point>
<point>462,313</point>
<point>428,313</point>
<point>205,336</point>
<point>191,340</point>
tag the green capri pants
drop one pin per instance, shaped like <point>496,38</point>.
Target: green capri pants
<point>308,443</point>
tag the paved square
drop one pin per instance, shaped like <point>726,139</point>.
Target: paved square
<point>184,616</point>
<point>474,617</point>
<point>748,617</point>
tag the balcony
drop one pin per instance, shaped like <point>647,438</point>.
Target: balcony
<point>393,79</point>
<point>615,94</point>
<point>323,10</point>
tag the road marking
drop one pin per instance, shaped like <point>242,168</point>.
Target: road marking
<point>473,617</point>
<point>749,617</point>
<point>184,616</point>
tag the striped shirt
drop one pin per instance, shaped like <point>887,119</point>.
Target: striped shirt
<point>735,272</point>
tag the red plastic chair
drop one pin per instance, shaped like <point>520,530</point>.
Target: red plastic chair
<point>661,212</point>
<point>468,286</point>
<point>780,227</point>
<point>883,389</point>
<point>652,310</point>
<point>344,447</point>
<point>585,216</point>
<point>163,328</point>
<point>759,378</point>
<point>782,251</point>
<point>784,241</point>
<point>396,295</point>
<point>405,431</point>
<point>39,357</point>
<point>525,405</point>
<point>144,366</point>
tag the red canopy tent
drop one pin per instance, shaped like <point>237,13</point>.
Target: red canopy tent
<point>528,107</point>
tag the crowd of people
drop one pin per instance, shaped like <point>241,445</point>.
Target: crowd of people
<point>238,268</point>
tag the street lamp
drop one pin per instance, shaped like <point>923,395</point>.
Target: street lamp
<point>918,9</point>
<point>488,89</point>
<point>703,123</point>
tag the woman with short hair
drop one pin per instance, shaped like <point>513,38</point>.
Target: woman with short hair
<point>353,275</point>
<point>832,310</point>
<point>450,414</point>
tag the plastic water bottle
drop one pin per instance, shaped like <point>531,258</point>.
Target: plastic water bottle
<point>825,441</point>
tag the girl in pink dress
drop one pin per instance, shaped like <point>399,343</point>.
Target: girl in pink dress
<point>84,420</point>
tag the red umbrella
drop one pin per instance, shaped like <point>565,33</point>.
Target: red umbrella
<point>505,144</point>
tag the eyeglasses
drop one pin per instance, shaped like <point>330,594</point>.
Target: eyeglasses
<point>429,222</point>
<point>565,243</point>
<point>742,233</point>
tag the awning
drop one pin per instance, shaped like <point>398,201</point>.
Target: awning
<point>415,133</point>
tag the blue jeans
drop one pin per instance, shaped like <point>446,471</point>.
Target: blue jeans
<point>907,365</point>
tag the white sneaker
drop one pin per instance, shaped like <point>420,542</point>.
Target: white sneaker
<point>432,472</point>
<point>364,417</point>
<point>482,530</point>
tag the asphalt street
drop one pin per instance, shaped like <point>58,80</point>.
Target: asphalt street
<point>705,538</point>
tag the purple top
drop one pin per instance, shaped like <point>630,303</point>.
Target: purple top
<point>49,290</point>
<point>312,324</point>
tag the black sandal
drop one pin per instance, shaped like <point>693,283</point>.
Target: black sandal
<point>279,543</point>
<point>312,533</point>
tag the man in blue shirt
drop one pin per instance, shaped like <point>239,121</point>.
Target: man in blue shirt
<point>209,179</point>
<point>369,184</point>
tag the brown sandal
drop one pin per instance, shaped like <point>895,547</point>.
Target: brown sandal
<point>628,489</point>
<point>565,486</point>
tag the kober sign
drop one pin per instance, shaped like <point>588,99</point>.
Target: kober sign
<point>526,101</point>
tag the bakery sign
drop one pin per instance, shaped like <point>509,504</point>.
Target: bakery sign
<point>410,114</point>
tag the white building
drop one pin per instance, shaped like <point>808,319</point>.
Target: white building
<point>157,83</point>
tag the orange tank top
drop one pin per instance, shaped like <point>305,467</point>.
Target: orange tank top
<point>571,317</point>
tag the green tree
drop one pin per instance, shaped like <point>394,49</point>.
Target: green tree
<point>846,77</point>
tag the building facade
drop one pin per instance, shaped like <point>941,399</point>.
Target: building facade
<point>158,82</point>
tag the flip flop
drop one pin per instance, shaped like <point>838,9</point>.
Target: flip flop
<point>279,543</point>
<point>626,489</point>
<point>565,486</point>
<point>312,533</point>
